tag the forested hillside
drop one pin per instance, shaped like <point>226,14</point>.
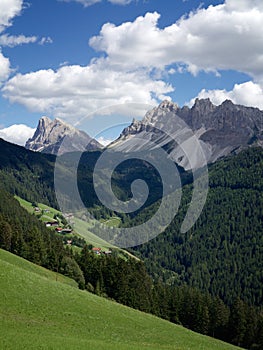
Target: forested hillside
<point>24,235</point>
<point>27,174</point>
<point>30,175</point>
<point>223,252</point>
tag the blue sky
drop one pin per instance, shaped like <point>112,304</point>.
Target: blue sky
<point>99,63</point>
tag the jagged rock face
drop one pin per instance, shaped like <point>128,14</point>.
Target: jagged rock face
<point>219,130</point>
<point>58,137</point>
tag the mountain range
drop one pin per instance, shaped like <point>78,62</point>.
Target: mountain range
<point>192,136</point>
<point>219,130</point>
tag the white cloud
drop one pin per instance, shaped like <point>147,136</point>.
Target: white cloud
<point>222,37</point>
<point>87,3</point>
<point>120,2</point>
<point>75,91</point>
<point>137,55</point>
<point>244,5</point>
<point>247,94</point>
<point>11,40</point>
<point>17,133</point>
<point>5,68</point>
<point>14,40</point>
<point>8,10</point>
<point>45,40</point>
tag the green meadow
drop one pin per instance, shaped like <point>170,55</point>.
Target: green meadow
<point>43,310</point>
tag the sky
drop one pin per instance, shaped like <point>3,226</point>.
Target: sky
<point>96,64</point>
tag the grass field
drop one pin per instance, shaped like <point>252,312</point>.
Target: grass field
<point>48,216</point>
<point>41,310</point>
<point>112,222</point>
<point>82,227</point>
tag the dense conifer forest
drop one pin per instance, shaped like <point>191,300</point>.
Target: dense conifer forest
<point>223,253</point>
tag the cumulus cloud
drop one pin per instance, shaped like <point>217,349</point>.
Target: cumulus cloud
<point>75,91</point>
<point>17,133</point>
<point>87,3</point>
<point>244,5</point>
<point>138,56</point>
<point>8,10</point>
<point>247,94</point>
<point>222,37</point>
<point>5,68</point>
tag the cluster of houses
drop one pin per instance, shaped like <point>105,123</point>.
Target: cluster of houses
<point>98,251</point>
<point>55,223</point>
<point>58,229</point>
<point>38,210</point>
<point>63,230</point>
<point>51,223</point>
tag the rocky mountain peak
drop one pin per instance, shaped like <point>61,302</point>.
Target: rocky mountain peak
<point>202,102</point>
<point>45,120</point>
<point>220,130</point>
<point>43,123</point>
<point>203,106</point>
<point>168,105</point>
<point>58,137</point>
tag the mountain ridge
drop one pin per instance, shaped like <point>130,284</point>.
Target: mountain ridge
<point>220,130</point>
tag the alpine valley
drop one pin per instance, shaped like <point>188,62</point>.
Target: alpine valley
<point>209,279</point>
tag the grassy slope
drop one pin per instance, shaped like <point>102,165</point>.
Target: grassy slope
<point>37,311</point>
<point>112,222</point>
<point>81,227</point>
<point>28,206</point>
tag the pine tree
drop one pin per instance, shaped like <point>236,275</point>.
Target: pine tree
<point>219,316</point>
<point>237,323</point>
<point>5,235</point>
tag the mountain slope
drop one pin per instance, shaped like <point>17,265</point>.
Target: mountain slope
<point>27,174</point>
<point>30,175</point>
<point>39,311</point>
<point>58,137</point>
<point>223,252</point>
<point>220,130</point>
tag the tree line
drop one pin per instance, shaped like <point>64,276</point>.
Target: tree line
<point>128,282</point>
